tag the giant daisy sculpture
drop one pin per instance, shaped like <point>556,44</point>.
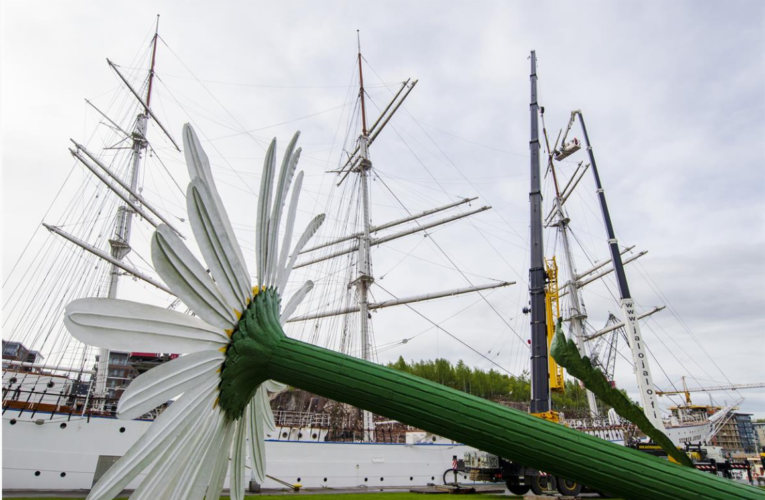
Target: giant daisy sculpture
<point>223,404</point>
<point>234,349</point>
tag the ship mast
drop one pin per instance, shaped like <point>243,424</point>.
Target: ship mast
<point>120,242</point>
<point>578,314</point>
<point>364,278</point>
<point>361,241</point>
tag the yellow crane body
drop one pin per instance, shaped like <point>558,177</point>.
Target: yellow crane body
<point>553,313</point>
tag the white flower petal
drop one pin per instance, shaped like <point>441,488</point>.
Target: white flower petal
<point>289,228</point>
<point>220,464</point>
<point>153,484</point>
<point>193,460</point>
<point>274,386</point>
<point>207,464</point>
<point>262,409</point>
<point>295,301</point>
<point>264,201</point>
<point>257,438</point>
<point>196,158</point>
<point>186,277</point>
<point>174,482</point>
<point>289,163</point>
<point>237,477</point>
<point>313,226</point>
<point>164,382</point>
<point>199,167</point>
<point>169,425</point>
<point>167,466</point>
<point>218,246</point>
<point>122,325</point>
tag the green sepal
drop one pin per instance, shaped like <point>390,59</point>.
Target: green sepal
<point>566,354</point>
<point>247,357</point>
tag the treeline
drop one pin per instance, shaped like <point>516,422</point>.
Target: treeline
<point>491,384</point>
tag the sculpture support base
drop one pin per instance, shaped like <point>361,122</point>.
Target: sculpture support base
<point>490,427</point>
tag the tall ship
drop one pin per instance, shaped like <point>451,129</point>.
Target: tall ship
<point>59,397</point>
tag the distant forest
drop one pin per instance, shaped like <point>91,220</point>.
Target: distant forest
<point>491,384</point>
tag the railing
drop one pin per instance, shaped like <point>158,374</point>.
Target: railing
<point>38,404</point>
<point>690,419</point>
<point>338,428</point>
<point>31,402</point>
<point>285,418</point>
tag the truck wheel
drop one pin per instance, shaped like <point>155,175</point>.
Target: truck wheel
<point>515,488</point>
<point>539,484</point>
<point>569,487</point>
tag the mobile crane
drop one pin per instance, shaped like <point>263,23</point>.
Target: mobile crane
<point>546,375</point>
<point>481,466</point>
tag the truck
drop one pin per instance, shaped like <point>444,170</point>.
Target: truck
<point>485,467</point>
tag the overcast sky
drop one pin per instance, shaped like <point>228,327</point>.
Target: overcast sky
<point>673,94</point>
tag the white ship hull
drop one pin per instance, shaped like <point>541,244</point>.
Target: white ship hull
<point>66,457</point>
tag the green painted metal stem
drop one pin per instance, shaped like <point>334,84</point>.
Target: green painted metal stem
<point>259,350</point>
<point>488,426</point>
<point>566,354</point>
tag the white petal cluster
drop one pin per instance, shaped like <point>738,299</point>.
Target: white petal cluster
<point>192,442</point>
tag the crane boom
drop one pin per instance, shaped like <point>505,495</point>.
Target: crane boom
<point>627,303</point>
<point>568,127</point>
<point>540,375</point>
<point>687,390</point>
<point>733,387</point>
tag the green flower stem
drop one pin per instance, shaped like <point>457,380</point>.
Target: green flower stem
<point>259,350</point>
<point>488,426</point>
<point>567,355</point>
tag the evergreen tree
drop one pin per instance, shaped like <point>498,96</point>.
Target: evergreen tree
<point>490,384</point>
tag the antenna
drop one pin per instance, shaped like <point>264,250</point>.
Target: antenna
<point>361,90</point>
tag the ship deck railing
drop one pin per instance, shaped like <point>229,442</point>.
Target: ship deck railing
<point>32,402</point>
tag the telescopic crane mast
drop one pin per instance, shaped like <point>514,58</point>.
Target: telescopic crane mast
<point>540,376</point>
